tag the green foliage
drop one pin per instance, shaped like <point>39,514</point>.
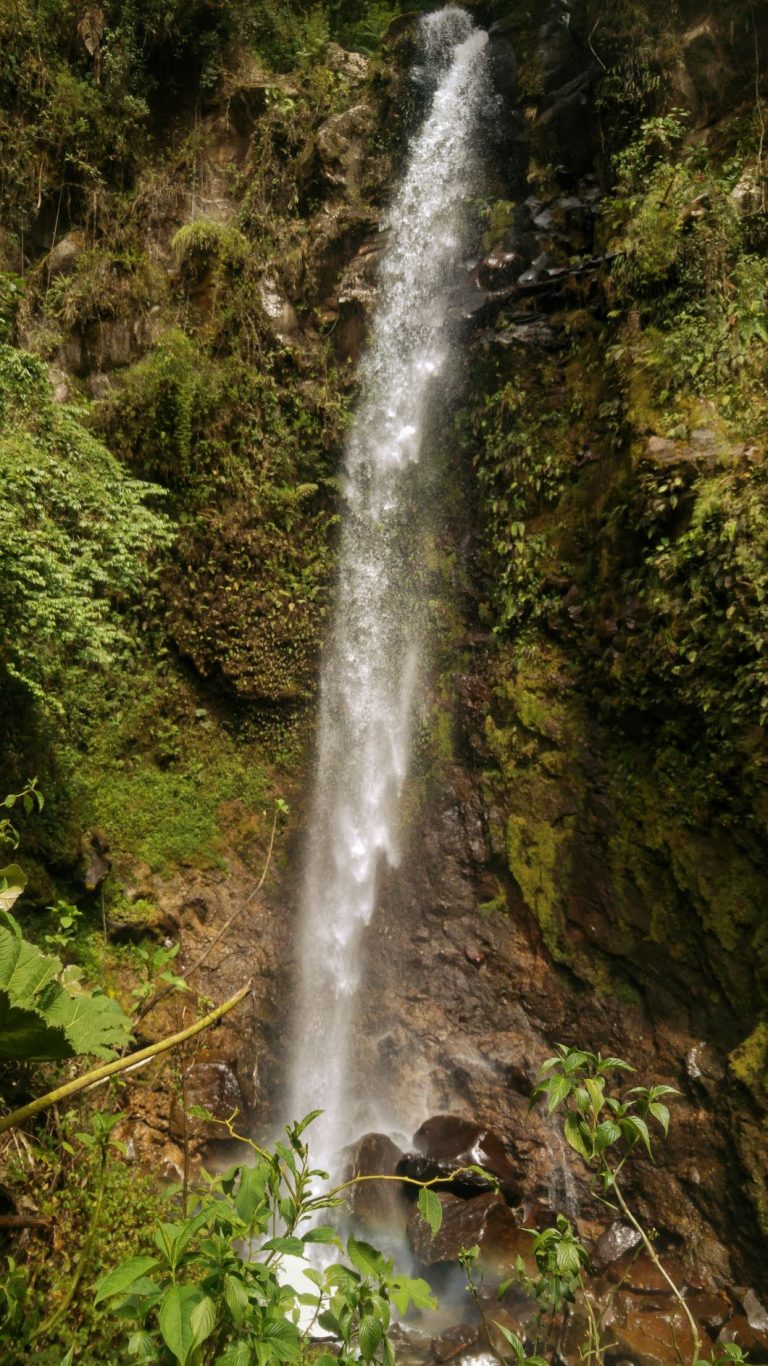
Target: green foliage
<point>560,1260</point>
<point>68,1165</point>
<point>195,244</point>
<point>200,1300</point>
<point>167,810</point>
<point>699,586</point>
<point>75,537</point>
<point>522,456</point>
<point>45,1012</point>
<point>597,1124</point>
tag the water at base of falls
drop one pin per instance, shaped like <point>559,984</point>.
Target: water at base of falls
<point>374,657</point>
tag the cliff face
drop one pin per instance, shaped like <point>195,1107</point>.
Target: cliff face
<point>588,805</point>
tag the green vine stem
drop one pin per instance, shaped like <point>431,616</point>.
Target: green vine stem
<point>111,1069</point>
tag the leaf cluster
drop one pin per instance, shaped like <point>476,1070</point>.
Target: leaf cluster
<point>200,1300</point>
<point>601,1127</point>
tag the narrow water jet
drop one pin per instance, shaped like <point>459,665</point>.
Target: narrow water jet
<point>374,659</point>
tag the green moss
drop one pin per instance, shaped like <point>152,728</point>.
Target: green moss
<point>749,1062</point>
<point>173,816</point>
<point>537,861</point>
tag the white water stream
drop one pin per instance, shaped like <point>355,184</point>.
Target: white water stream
<point>373,662</point>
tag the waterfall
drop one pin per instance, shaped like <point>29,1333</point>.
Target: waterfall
<point>374,656</point>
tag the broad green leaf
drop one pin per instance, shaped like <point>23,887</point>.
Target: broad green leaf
<point>641,1128</point>
<point>365,1258</point>
<point>512,1339</point>
<point>292,1247</point>
<point>661,1113</point>
<point>141,1345</point>
<point>574,1060</point>
<point>430,1209</point>
<point>567,1258</point>
<point>322,1233</point>
<point>251,1191</point>
<point>559,1089</point>
<point>203,1320</point>
<point>284,1335</point>
<point>608,1064</point>
<point>175,1320</point>
<point>13,880</point>
<point>577,1137</point>
<point>405,1290</point>
<point>308,1119</point>
<point>369,1335</point>
<point>239,1354</point>
<point>43,1018</point>
<point>596,1088</point>
<point>124,1277</point>
<point>236,1297</point>
<point>606,1133</point>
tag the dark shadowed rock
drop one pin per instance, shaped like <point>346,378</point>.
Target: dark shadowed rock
<point>377,1206</point>
<point>455,1341</point>
<point>211,1082</point>
<point>485,1221</point>
<point>750,1339</point>
<point>63,258</point>
<point>449,1142</point>
<point>651,1336</point>
<point>95,864</point>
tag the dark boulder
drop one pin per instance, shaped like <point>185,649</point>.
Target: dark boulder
<point>448,1142</point>
<point>485,1222</point>
<point>376,1206</point>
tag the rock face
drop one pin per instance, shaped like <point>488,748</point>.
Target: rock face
<point>378,1208</point>
<point>448,1143</point>
<point>484,1221</point>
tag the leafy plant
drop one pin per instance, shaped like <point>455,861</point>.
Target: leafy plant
<point>45,1012</point>
<point>200,1299</point>
<point>607,1131</point>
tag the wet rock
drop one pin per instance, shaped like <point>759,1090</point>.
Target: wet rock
<point>614,1243</point>
<point>377,1206</point>
<point>340,147</point>
<point>98,385</point>
<point>95,865</point>
<point>353,66</point>
<point>748,195</point>
<point>541,269</point>
<point>212,1083</point>
<point>63,258</point>
<point>449,1142</point>
<point>652,1336</point>
<point>454,1341</point>
<point>707,68</point>
<point>59,384</point>
<point>711,1309</point>
<point>564,128</point>
<point>705,1066</point>
<point>485,1221</point>
<point>757,1315</point>
<point>279,311</point>
<point>559,54</point>
<point>499,269</point>
<point>503,64</point>
<point>751,1340</point>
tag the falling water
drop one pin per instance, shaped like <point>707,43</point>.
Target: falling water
<point>373,660</point>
